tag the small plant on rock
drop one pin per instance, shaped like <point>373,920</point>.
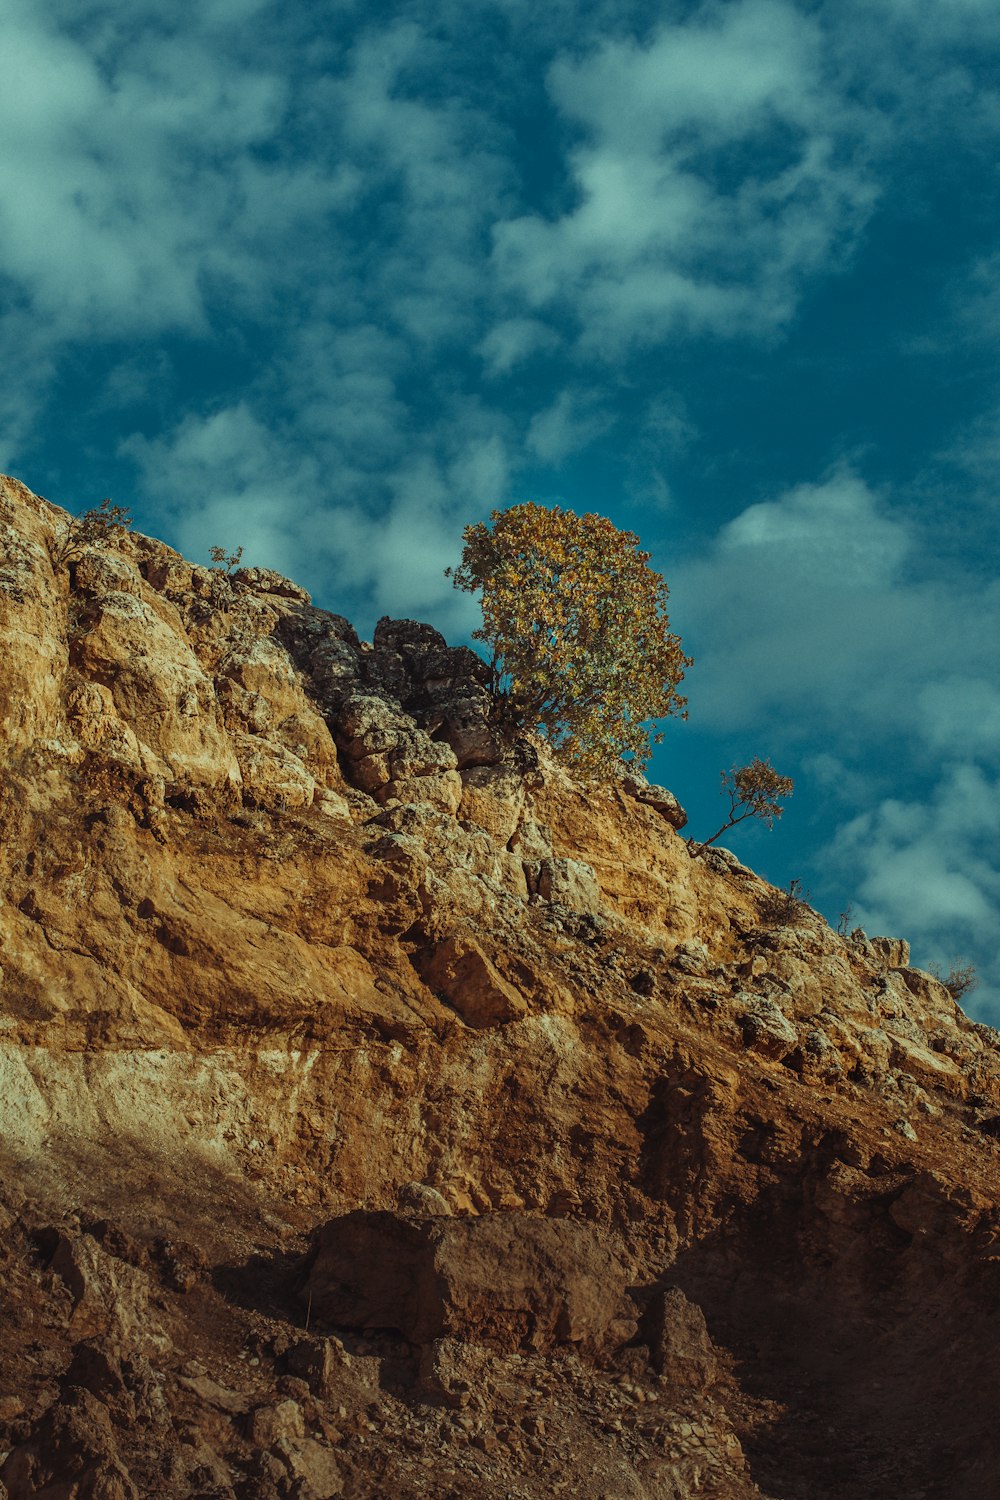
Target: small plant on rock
<point>97,527</point>
<point>223,559</point>
<point>783,908</point>
<point>754,791</point>
<point>960,980</point>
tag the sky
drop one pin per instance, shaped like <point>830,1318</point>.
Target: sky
<point>330,282</point>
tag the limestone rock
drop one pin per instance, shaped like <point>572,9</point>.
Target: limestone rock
<point>422,1201</point>
<point>450,1370</point>
<point>72,1451</point>
<point>157,684</point>
<point>463,975</point>
<point>894,953</point>
<point>271,775</point>
<point>110,1298</point>
<point>320,1362</point>
<point>268,955</point>
<point>493,798</point>
<point>679,1340</point>
<point>266,581</point>
<point>570,882</point>
<point>658,798</point>
<point>313,1467</point>
<point>266,1424</point>
<point>506,1280</point>
<point>766,1028</point>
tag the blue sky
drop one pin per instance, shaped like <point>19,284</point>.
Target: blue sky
<point>329,282</point>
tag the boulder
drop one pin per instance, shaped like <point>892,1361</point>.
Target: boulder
<point>319,1362</point>
<point>890,953</point>
<point>658,798</point>
<point>766,1029</point>
<point>268,1423</point>
<point>571,883</point>
<point>110,1298</point>
<point>679,1341</point>
<point>312,1466</point>
<point>507,1280</point>
<point>419,1199</point>
<point>272,776</point>
<point>370,725</point>
<point>266,581</point>
<point>460,973</point>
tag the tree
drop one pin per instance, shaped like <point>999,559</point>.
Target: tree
<point>576,621</point>
<point>97,527</point>
<point>960,980</point>
<point>223,559</point>
<point>754,791</point>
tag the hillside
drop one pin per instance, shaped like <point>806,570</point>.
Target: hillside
<point>385,1113</point>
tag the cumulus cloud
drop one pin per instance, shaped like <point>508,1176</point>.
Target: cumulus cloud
<point>366,545</point>
<point>126,181</point>
<point>349,236</point>
<point>926,868</point>
<point>715,168</point>
<point>816,611</point>
<point>511,342</point>
<point>816,621</point>
<point>568,426</point>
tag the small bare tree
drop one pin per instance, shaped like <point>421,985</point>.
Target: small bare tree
<point>223,559</point>
<point>754,791</point>
<point>960,980</point>
<point>96,527</point>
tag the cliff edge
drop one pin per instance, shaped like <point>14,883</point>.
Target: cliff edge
<point>385,1112</point>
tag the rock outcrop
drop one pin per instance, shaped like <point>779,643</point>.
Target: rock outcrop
<point>384,1111</point>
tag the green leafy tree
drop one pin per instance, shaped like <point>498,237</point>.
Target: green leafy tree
<point>754,791</point>
<point>576,621</point>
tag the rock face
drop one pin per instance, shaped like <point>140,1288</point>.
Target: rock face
<point>507,1280</point>
<point>383,1111</point>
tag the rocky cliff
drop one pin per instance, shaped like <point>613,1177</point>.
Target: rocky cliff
<point>385,1113</point>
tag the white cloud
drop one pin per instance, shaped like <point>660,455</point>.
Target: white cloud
<point>717,168</point>
<point>367,544</point>
<point>817,620</point>
<point>512,341</point>
<point>116,196</point>
<point>816,613</point>
<point>573,421</point>
<point>926,869</point>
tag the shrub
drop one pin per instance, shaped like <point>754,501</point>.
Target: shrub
<point>960,980</point>
<point>754,791</point>
<point>576,621</point>
<point>783,908</point>
<point>96,527</point>
<point>225,560</point>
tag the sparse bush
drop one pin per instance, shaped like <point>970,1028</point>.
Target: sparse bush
<point>96,527</point>
<point>783,908</point>
<point>223,559</point>
<point>845,919</point>
<point>960,980</point>
<point>754,791</point>
<point>576,621</point>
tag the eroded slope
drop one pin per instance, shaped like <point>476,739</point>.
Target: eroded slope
<point>291,933</point>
